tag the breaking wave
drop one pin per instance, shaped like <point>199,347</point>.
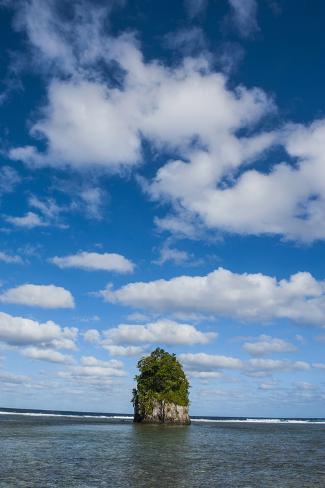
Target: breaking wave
<point>129,417</point>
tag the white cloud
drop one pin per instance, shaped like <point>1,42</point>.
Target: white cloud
<point>319,365</point>
<point>224,293</point>
<point>269,365</point>
<point>93,198</point>
<point>187,41</point>
<point>9,378</point>
<point>9,179</point>
<point>266,344</point>
<point>178,225</point>
<point>269,385</point>
<point>20,331</point>
<point>10,259</point>
<point>304,386</point>
<point>48,208</point>
<point>94,362</point>
<point>206,375</point>
<point>91,318</point>
<point>48,213</point>
<point>47,354</point>
<point>208,361</point>
<point>253,367</point>
<point>168,253</point>
<point>162,331</point>
<point>244,16</point>
<point>73,137</point>
<point>244,204</point>
<point>167,106</point>
<point>67,340</point>
<point>64,44</point>
<point>300,338</point>
<point>30,220</point>
<point>95,261</point>
<point>94,369</point>
<point>216,176</point>
<point>92,335</point>
<point>124,350</point>
<point>137,317</point>
<point>134,339</point>
<point>45,296</point>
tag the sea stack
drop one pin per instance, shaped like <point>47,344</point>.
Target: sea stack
<point>161,395</point>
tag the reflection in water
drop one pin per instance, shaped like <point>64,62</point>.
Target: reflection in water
<point>160,453</point>
<point>87,453</point>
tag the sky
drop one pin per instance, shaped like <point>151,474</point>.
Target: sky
<point>162,184</point>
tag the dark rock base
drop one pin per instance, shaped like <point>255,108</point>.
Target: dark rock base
<point>164,413</point>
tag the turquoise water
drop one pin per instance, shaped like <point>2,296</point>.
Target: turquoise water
<point>39,451</point>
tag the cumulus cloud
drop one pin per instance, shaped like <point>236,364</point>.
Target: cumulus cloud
<point>47,354</point>
<point>206,375</point>
<point>45,296</point>
<point>162,331</point>
<point>29,220</point>
<point>211,361</point>
<point>161,104</point>
<point>216,176</point>
<point>224,293</point>
<point>95,261</point>
<point>154,102</point>
<point>95,370</point>
<point>134,339</point>
<point>91,361</point>
<point>10,259</point>
<point>8,378</point>
<point>268,365</point>
<point>123,350</point>
<point>244,204</point>
<point>92,335</point>
<point>266,344</point>
<point>112,142</point>
<point>20,331</point>
<point>252,367</point>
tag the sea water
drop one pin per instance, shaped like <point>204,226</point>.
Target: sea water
<point>70,449</point>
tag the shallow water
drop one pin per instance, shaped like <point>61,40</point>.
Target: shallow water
<point>84,452</point>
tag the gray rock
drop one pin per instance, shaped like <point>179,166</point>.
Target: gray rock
<point>163,413</point>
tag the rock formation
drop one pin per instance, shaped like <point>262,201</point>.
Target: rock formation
<point>163,413</point>
<point>161,396</point>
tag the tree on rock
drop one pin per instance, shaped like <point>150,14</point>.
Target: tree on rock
<point>162,393</point>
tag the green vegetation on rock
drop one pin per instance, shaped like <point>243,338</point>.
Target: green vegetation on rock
<point>161,379</point>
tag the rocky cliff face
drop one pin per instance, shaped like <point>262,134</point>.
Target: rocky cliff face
<point>163,413</point>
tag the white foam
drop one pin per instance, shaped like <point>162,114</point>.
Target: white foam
<point>259,421</point>
<point>199,420</point>
<point>39,414</point>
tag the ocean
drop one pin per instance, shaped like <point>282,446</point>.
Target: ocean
<point>91,450</point>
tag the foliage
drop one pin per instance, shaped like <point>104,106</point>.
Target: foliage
<point>161,378</point>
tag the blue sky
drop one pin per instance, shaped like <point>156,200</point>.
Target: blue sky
<point>162,184</point>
